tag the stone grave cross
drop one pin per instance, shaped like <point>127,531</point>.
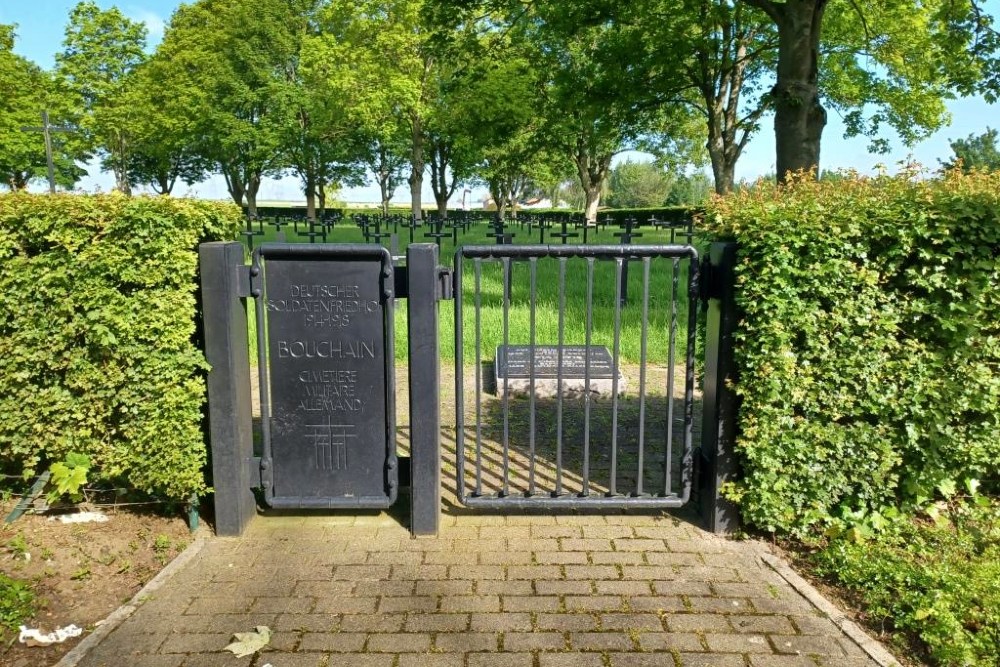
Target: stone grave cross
<point>47,129</point>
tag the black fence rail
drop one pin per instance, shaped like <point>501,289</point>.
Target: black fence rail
<point>559,423</point>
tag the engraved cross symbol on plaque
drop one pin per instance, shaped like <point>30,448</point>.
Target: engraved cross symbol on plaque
<point>47,129</point>
<point>330,444</point>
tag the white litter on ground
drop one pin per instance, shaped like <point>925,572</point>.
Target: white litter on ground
<point>34,636</point>
<point>82,517</point>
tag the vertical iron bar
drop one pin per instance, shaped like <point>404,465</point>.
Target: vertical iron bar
<point>671,349</point>
<point>588,327</point>
<point>559,375</point>
<point>612,490</point>
<point>459,383</point>
<point>477,265</point>
<point>506,377</point>
<point>642,371</point>
<point>533,264</point>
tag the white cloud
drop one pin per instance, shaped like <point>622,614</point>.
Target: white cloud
<point>155,25</point>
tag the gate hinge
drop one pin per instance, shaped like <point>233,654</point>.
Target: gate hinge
<point>243,282</point>
<point>446,284</point>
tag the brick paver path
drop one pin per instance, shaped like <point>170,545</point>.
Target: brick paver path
<point>490,591</point>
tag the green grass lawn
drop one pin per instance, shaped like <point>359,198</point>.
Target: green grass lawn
<point>547,297</point>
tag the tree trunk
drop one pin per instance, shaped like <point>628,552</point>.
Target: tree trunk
<point>799,117</point>
<point>234,184</point>
<point>383,184</point>
<point>253,186</point>
<point>593,172</point>
<point>416,168</point>
<point>310,191</point>
<point>593,202</point>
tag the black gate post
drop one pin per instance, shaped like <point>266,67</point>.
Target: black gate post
<point>224,280</point>
<point>717,462</point>
<point>425,388</point>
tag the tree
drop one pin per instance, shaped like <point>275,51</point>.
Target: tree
<point>100,50</point>
<point>386,158</point>
<point>638,185</point>
<point>25,91</point>
<point>229,64</point>
<point>975,152</point>
<point>901,58</point>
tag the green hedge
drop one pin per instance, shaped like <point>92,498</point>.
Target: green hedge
<point>97,353</point>
<point>869,349</point>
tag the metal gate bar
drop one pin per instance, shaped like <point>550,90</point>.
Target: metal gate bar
<point>586,495</point>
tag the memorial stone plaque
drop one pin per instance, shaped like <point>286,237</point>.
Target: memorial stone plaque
<point>329,371</point>
<point>514,370</point>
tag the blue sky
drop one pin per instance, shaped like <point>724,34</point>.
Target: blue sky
<point>41,24</point>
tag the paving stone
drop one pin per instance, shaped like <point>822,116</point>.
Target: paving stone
<point>585,545</point>
<point>501,660</point>
<point>476,572</point>
<point>505,558</point>
<point>788,605</point>
<point>608,532</point>
<point>594,603</point>
<point>639,544</point>
<point>632,621</point>
<point>673,558</point>
<point>781,661</point>
<point>534,572</point>
<point>195,642</point>
<point>493,587</point>
<point>437,622</point>
<point>566,622</point>
<point>466,641</point>
<point>591,572</point>
<point>372,622</point>
<point>396,558</point>
<point>446,558</point>
<point>623,587</point>
<point>215,660</point>
<point>737,643</point>
<point>421,572</point>
<point>533,641</point>
<point>564,587</point>
<point>557,531</point>
<point>388,605</point>
<point>379,588</point>
<point>641,660</point>
<point>570,660</point>
<point>730,590</point>
<point>808,644</point>
<point>361,572</point>
<point>504,622</point>
<point>719,605</point>
<point>321,589</point>
<point>647,572</point>
<point>409,642</point>
<point>535,603</point>
<point>709,660</point>
<point>430,660</point>
<point>601,641</point>
<point>696,622</point>
<point>435,588</point>
<point>345,605</point>
<point>617,557</point>
<point>234,605</point>
<point>483,603</point>
<point>814,625</point>
<point>339,642</point>
<point>561,557</point>
<point>658,603</point>
<point>681,588</point>
<point>670,641</point>
<point>762,624</point>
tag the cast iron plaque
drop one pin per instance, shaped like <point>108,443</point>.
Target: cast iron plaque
<point>330,372</point>
<point>514,361</point>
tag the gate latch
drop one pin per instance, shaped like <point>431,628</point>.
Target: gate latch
<point>445,284</point>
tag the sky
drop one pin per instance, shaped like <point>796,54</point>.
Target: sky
<point>41,24</point>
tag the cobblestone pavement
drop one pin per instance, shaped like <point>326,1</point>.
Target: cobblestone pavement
<point>490,591</point>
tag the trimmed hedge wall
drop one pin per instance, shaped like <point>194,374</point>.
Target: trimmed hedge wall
<point>869,349</point>
<point>98,295</point>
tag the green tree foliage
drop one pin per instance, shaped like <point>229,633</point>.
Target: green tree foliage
<point>975,152</point>
<point>638,185</point>
<point>229,63</point>
<point>100,51</point>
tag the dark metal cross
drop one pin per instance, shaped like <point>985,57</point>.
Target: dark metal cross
<point>47,130</point>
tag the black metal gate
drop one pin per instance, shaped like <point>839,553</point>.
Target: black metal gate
<point>569,424</point>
